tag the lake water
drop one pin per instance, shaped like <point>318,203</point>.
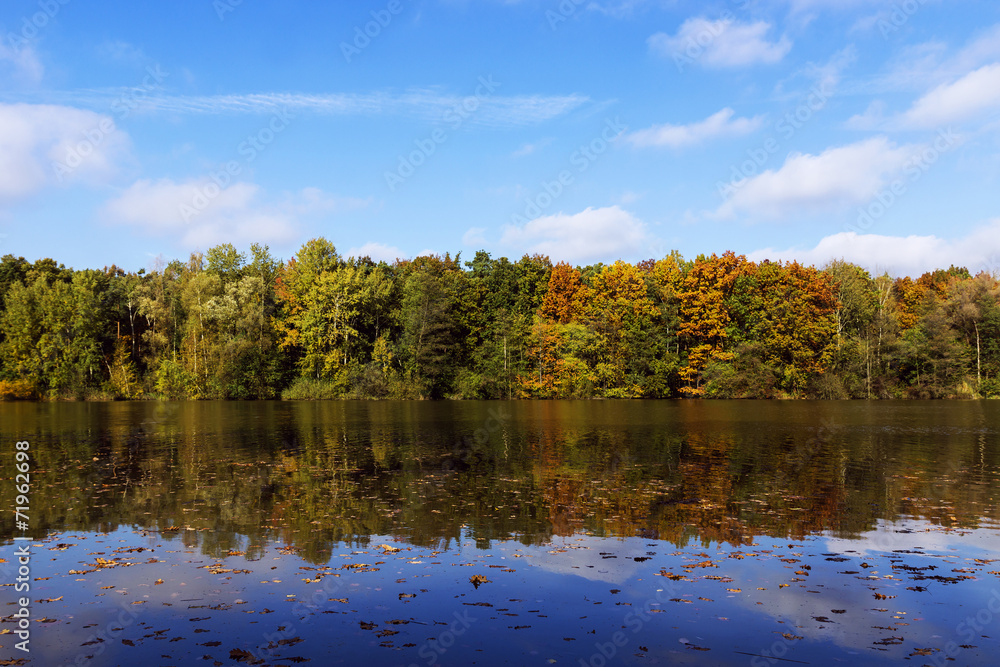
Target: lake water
<point>522,533</point>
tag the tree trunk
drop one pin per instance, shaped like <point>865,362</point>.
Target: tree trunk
<point>868,364</point>
<point>979,377</point>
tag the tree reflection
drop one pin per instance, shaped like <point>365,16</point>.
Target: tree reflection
<point>230,478</point>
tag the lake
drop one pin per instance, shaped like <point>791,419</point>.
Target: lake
<point>522,533</point>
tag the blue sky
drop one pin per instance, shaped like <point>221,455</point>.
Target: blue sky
<point>586,130</point>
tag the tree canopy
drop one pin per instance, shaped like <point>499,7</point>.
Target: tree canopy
<point>237,325</point>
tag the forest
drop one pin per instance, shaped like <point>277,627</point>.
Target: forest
<point>231,325</point>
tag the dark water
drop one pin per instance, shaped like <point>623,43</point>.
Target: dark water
<point>755,533</point>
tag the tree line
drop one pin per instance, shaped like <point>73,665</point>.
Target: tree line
<point>231,325</point>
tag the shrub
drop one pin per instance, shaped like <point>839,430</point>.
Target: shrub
<point>310,389</point>
<point>172,380</point>
<point>17,390</point>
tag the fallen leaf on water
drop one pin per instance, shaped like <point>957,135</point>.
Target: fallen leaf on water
<point>239,655</point>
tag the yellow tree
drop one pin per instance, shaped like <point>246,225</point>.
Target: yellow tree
<point>791,318</point>
<point>302,331</point>
<point>910,296</point>
<point>621,310</point>
<point>704,316</point>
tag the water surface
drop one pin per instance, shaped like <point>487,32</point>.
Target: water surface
<point>659,532</point>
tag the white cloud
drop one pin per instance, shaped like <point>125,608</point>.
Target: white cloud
<point>490,109</point>
<point>982,50</point>
<point>379,252</point>
<point>629,197</point>
<point>872,118</point>
<point>721,43</point>
<point>474,237</point>
<point>309,201</point>
<point>972,95</point>
<point>528,149</point>
<point>805,5</point>
<point>43,145</point>
<point>621,9</point>
<point>157,205</point>
<point>121,51</point>
<point>922,66</point>
<point>953,88</point>
<point>837,177</point>
<point>720,124</point>
<point>866,23</point>
<point>595,234</point>
<point>827,76</point>
<point>911,68</point>
<point>900,255</point>
<point>200,214</point>
<point>22,62</point>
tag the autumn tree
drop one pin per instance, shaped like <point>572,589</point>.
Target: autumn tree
<point>704,321</point>
<point>564,298</point>
<point>971,304</point>
<point>788,314</point>
<point>621,311</point>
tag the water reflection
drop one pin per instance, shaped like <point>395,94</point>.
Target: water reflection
<point>234,476</point>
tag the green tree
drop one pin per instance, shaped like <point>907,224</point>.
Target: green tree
<point>51,332</point>
<point>969,303</point>
<point>622,313</point>
<point>429,343</point>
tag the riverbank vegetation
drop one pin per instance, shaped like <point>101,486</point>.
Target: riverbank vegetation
<point>230,325</point>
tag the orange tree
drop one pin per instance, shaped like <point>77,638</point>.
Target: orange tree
<point>704,316</point>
